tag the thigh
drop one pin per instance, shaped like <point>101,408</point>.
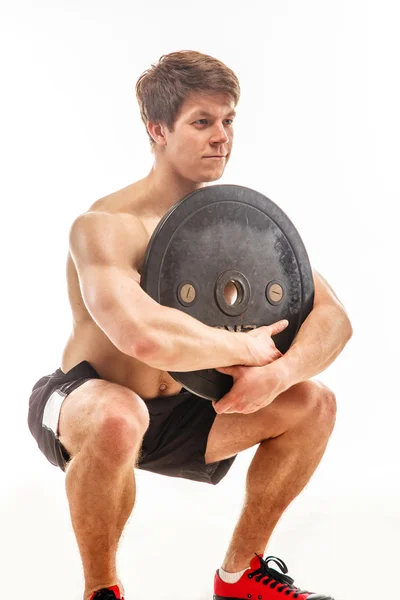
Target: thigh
<point>45,404</point>
<point>233,433</point>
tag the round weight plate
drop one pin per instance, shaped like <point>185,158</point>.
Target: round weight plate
<point>220,239</point>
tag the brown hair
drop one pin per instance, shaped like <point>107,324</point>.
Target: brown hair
<point>162,89</point>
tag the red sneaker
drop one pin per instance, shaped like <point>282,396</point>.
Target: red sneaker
<point>260,582</point>
<point>111,593</point>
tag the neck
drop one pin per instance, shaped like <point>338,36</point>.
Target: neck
<point>164,187</point>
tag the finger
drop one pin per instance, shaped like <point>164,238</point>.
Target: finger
<point>235,372</point>
<point>231,411</point>
<point>240,409</point>
<point>224,404</point>
<point>226,370</point>
<point>230,402</point>
<point>277,327</point>
<point>221,409</point>
<point>275,356</point>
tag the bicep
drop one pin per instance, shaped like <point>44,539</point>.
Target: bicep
<point>119,306</point>
<point>104,287</point>
<point>106,250</point>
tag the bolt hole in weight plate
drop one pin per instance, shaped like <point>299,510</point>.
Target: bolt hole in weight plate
<point>231,258</point>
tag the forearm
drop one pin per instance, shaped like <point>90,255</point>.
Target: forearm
<point>162,337</point>
<point>174,341</point>
<point>319,341</point>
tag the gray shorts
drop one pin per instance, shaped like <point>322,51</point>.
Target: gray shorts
<point>174,444</point>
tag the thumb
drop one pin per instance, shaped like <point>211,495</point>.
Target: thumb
<point>277,327</point>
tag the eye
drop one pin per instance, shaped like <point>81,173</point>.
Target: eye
<point>228,122</point>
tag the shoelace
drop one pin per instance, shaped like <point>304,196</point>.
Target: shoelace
<point>269,575</point>
<point>104,595</point>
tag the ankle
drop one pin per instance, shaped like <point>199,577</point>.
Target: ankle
<point>236,561</point>
<point>231,576</point>
<point>234,566</point>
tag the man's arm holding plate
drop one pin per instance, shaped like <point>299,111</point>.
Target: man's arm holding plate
<point>320,340</point>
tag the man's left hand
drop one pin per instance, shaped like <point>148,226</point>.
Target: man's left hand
<point>253,388</point>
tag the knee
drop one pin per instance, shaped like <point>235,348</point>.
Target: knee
<point>320,405</point>
<point>120,426</point>
<point>328,407</point>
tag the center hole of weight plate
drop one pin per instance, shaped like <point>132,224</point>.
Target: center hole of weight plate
<point>233,292</point>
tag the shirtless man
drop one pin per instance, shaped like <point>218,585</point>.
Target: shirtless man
<point>113,407</point>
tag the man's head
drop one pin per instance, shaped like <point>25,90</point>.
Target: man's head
<point>187,103</point>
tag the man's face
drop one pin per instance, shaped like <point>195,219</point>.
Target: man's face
<point>200,145</point>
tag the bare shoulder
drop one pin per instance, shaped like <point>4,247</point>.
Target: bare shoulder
<point>108,238</point>
<point>119,200</point>
<point>324,292</point>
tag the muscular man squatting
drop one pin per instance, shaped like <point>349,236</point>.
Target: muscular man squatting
<point>112,407</point>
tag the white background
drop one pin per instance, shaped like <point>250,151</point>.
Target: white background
<point>317,131</point>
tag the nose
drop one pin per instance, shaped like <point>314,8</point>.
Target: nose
<point>219,134</point>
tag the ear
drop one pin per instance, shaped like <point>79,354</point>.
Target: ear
<point>157,132</point>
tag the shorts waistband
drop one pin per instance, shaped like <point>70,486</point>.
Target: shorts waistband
<point>82,369</point>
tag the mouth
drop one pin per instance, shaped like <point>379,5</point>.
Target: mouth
<point>216,156</point>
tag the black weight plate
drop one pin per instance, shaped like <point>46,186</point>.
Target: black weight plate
<point>226,233</point>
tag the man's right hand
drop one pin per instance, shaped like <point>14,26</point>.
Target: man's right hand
<point>262,347</point>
